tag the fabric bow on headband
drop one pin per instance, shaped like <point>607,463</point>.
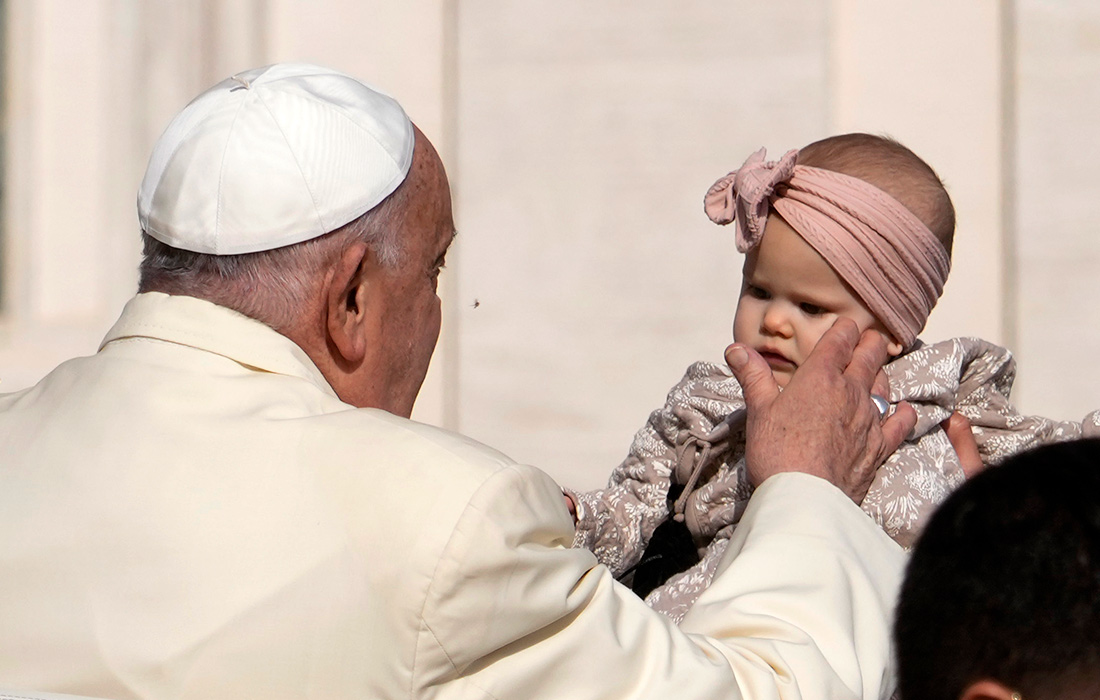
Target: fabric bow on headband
<point>892,261</point>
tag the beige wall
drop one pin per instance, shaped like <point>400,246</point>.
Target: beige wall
<point>1056,204</point>
<point>580,138</point>
<point>937,87</point>
<point>587,139</point>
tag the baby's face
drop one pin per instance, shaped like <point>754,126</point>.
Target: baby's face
<point>789,298</point>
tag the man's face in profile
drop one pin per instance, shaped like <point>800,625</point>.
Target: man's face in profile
<point>404,297</point>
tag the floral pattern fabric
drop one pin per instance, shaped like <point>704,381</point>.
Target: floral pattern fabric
<point>697,440</point>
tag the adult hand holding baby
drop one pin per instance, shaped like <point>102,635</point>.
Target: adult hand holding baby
<point>824,422</point>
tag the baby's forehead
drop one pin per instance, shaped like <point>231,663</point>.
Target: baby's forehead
<point>784,252</point>
<point>784,257</point>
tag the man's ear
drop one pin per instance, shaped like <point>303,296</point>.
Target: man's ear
<point>345,304</point>
<point>988,690</point>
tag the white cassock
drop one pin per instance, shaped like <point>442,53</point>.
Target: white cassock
<point>193,513</point>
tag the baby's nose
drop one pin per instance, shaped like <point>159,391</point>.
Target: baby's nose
<point>777,320</point>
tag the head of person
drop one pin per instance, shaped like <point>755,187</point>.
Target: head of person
<point>1000,597</point>
<point>852,226</point>
<point>306,200</point>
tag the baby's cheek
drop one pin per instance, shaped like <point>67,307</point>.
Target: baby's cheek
<point>741,319</point>
<point>813,334</point>
<point>893,348</point>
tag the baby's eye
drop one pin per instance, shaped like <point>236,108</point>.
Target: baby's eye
<point>811,309</point>
<point>757,292</point>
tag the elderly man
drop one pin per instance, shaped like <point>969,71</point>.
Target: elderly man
<point>229,500</point>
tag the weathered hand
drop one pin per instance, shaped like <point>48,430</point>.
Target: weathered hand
<point>824,423</point>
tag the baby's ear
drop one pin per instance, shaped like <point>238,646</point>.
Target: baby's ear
<point>894,348</point>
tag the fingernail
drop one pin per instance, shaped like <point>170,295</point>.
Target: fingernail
<point>736,356</point>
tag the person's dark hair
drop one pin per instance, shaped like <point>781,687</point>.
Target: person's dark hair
<point>1004,583</point>
<point>894,169</point>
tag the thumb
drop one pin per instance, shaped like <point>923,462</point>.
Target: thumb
<point>753,374</point>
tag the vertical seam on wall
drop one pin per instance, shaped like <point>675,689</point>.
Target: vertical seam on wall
<point>1010,305</point>
<point>22,117</point>
<point>452,385</point>
<point>5,142</point>
<point>261,16</point>
<point>832,69</point>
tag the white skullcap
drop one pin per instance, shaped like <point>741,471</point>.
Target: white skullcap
<point>273,156</point>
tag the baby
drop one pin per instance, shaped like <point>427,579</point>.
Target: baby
<point>861,228</point>
<point>855,226</point>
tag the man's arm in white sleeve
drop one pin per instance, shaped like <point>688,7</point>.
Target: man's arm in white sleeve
<point>807,586</point>
<point>798,611</point>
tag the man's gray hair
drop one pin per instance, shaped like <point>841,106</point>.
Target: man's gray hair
<point>273,286</point>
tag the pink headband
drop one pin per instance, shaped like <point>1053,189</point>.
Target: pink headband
<point>885,253</point>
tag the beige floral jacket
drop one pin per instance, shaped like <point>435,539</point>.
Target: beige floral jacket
<point>697,440</point>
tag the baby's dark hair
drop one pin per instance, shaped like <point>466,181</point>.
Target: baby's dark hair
<point>1004,581</point>
<point>894,169</point>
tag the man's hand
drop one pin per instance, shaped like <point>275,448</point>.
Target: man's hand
<point>824,423</point>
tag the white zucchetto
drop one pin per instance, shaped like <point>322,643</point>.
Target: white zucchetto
<point>271,157</point>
